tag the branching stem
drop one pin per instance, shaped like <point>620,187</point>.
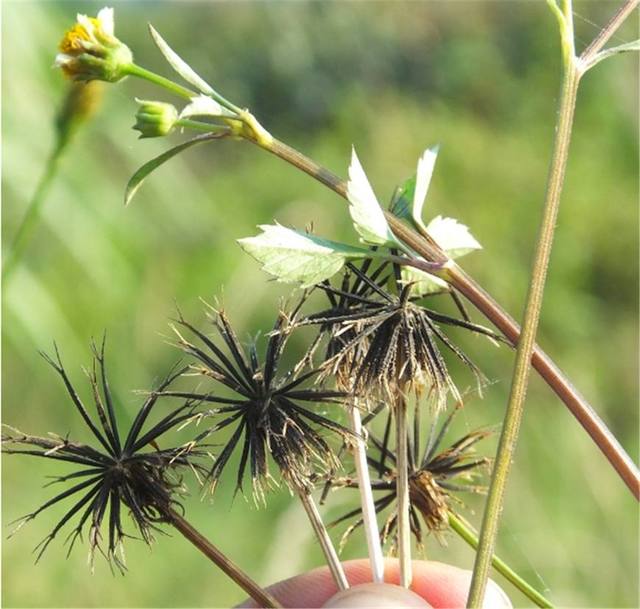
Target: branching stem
<point>577,404</point>
<point>468,535</point>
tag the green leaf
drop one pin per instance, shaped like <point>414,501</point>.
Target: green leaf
<point>141,175</point>
<point>295,256</point>
<point>423,283</point>
<point>454,238</point>
<point>203,105</point>
<point>627,47</point>
<point>426,163</point>
<point>366,213</point>
<point>408,202</point>
<point>179,65</point>
<point>403,199</point>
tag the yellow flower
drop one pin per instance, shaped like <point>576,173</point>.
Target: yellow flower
<point>90,50</point>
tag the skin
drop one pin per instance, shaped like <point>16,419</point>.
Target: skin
<point>441,585</point>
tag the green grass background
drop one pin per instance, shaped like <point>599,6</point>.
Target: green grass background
<point>480,78</point>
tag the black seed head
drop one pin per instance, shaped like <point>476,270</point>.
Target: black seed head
<point>270,413</point>
<point>113,471</point>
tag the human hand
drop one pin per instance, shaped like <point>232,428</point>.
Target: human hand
<point>439,584</point>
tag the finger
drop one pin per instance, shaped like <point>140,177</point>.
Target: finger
<point>439,584</point>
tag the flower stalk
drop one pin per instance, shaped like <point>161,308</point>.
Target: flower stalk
<point>262,597</point>
<point>402,491</point>
<point>366,497</point>
<point>328,549</point>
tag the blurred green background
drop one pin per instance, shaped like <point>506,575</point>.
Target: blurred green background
<point>480,78</point>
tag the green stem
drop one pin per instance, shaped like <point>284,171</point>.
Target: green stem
<point>526,342</point>
<point>199,126</point>
<point>32,215</point>
<point>467,534</point>
<point>140,72</point>
<point>487,305</point>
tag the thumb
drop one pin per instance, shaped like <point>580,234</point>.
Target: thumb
<point>378,596</point>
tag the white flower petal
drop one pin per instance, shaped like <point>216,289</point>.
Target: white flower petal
<point>62,59</point>
<point>87,24</point>
<point>105,19</point>
<point>454,238</point>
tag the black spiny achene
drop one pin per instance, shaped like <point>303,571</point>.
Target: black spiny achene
<point>114,471</point>
<point>433,478</point>
<point>383,339</point>
<point>271,413</point>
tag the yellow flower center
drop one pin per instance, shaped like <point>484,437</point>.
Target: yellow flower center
<point>71,42</point>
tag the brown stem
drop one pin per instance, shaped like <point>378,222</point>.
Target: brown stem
<point>552,375</point>
<point>260,596</point>
<point>608,30</point>
<point>575,402</point>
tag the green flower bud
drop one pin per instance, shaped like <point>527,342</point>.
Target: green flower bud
<point>155,119</point>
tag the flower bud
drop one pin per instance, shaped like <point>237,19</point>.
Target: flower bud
<point>90,51</point>
<point>155,119</point>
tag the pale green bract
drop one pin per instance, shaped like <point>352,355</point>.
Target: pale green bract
<point>295,256</point>
<point>179,65</point>
<point>366,213</point>
<point>203,105</point>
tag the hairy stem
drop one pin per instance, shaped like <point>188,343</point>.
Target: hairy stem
<point>450,272</point>
<point>333,560</point>
<point>366,498</point>
<point>467,534</point>
<point>260,596</point>
<point>526,342</point>
<point>608,30</point>
<point>402,492</point>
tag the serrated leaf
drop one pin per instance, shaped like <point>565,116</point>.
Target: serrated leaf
<point>366,213</point>
<point>137,179</point>
<point>295,256</point>
<point>424,172</point>
<point>454,238</point>
<point>179,65</point>
<point>203,105</point>
<point>422,284</point>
